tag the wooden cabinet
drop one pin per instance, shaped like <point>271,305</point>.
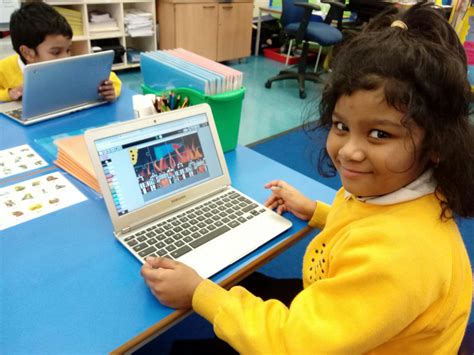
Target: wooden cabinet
<point>235,30</point>
<point>216,30</point>
<point>196,28</point>
<point>84,34</point>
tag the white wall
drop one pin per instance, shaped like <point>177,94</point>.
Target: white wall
<point>6,48</point>
<point>257,4</point>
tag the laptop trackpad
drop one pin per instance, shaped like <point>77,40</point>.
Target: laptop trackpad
<point>219,253</point>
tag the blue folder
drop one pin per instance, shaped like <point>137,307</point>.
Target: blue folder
<point>163,71</point>
<point>163,76</point>
<point>216,80</point>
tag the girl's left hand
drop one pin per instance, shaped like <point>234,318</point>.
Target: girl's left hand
<point>107,90</point>
<point>171,282</point>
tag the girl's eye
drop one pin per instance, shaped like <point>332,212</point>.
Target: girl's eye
<point>377,134</point>
<point>340,126</point>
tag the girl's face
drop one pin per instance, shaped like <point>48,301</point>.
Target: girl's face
<point>53,47</point>
<point>373,153</point>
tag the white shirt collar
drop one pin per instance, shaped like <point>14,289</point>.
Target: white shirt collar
<point>423,185</point>
<point>21,64</point>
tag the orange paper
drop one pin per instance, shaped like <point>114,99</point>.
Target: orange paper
<point>74,158</point>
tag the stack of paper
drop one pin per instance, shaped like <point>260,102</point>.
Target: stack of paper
<point>143,105</point>
<point>102,22</point>
<point>74,18</point>
<point>138,23</point>
<point>74,158</point>
<point>179,68</point>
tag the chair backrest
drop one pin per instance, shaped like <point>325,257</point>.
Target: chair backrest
<point>335,14</point>
<point>291,13</point>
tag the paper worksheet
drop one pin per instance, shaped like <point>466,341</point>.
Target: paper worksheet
<point>26,200</point>
<point>18,160</point>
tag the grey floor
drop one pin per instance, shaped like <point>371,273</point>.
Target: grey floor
<point>265,112</point>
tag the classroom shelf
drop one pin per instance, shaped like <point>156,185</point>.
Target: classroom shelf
<point>117,8</point>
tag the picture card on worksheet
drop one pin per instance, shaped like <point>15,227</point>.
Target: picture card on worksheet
<point>26,200</point>
<point>18,160</point>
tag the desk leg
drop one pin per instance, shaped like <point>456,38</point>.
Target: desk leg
<point>259,28</point>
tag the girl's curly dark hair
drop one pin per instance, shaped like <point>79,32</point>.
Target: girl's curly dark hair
<point>423,71</point>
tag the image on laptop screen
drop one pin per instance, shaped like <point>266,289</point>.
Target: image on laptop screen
<point>147,165</point>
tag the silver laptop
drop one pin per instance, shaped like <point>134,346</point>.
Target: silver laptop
<point>57,87</point>
<point>168,191</point>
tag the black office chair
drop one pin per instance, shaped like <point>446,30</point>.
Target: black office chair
<point>295,20</point>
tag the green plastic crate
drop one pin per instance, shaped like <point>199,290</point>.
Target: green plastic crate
<point>226,109</point>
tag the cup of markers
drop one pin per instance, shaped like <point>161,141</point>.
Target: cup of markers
<point>170,102</point>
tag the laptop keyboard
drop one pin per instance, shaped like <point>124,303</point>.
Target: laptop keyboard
<point>180,234</point>
<point>17,113</point>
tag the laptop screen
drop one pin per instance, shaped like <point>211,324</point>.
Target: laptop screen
<point>147,165</point>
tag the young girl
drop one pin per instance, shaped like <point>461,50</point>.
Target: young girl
<point>389,272</point>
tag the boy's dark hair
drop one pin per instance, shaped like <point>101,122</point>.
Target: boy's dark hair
<point>32,22</point>
<point>423,72</point>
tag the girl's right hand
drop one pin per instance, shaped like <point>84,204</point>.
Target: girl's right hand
<point>285,197</point>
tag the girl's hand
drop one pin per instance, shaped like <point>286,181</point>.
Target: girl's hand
<point>15,93</point>
<point>107,90</point>
<point>286,198</point>
<point>171,282</point>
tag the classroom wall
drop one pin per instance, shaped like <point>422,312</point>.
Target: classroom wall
<point>6,48</point>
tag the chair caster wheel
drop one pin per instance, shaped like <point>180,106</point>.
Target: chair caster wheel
<point>268,84</point>
<point>302,95</point>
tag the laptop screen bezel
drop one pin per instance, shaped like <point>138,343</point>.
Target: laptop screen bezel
<point>148,213</point>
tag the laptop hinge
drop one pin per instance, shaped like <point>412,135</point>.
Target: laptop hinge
<point>171,211</point>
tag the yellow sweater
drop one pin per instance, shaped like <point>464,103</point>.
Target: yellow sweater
<point>11,76</point>
<point>378,279</point>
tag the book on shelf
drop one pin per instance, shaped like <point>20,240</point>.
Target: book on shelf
<point>67,12</point>
<point>74,18</point>
<point>103,26</point>
<point>100,21</point>
<point>138,23</point>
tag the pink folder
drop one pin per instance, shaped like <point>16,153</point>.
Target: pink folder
<point>233,77</point>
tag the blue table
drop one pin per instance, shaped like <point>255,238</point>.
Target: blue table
<point>66,284</point>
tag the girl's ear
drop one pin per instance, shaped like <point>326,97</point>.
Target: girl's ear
<point>434,158</point>
<point>28,54</point>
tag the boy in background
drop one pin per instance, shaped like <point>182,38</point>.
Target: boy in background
<point>39,33</point>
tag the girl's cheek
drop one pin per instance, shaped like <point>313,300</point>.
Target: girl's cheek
<point>400,158</point>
